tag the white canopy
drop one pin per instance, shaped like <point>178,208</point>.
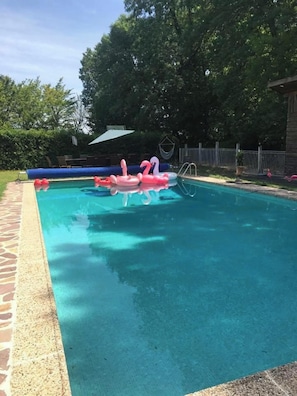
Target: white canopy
<point>111,134</point>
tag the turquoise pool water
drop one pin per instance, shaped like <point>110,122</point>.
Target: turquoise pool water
<point>174,296</point>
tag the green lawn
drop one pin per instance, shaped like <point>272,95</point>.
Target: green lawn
<point>274,181</point>
<point>8,176</point>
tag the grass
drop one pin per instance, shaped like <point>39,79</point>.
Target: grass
<point>229,174</point>
<point>7,177</point>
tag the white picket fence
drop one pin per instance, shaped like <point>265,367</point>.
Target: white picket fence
<point>255,161</point>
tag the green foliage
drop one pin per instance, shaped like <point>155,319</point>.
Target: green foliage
<point>31,105</point>
<point>23,149</point>
<point>8,92</point>
<point>150,71</point>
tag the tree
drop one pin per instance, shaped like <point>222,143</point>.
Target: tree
<point>58,106</point>
<point>31,105</point>
<point>250,43</point>
<point>79,117</point>
<point>8,90</point>
<point>196,69</point>
<point>107,75</point>
<point>142,74</point>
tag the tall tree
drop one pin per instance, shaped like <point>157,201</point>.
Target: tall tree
<point>79,117</point>
<point>107,76</point>
<point>145,72</point>
<point>248,45</point>
<point>59,105</point>
<point>31,105</point>
<point>198,69</point>
<point>8,90</point>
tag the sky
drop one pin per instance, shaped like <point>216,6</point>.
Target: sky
<point>47,38</point>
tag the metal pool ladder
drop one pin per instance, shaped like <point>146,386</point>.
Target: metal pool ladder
<point>188,166</point>
<point>192,168</point>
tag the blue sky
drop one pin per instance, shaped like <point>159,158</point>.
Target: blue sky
<point>47,38</point>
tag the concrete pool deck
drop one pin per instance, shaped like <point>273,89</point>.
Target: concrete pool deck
<point>32,360</point>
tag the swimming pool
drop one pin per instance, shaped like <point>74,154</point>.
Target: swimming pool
<point>171,297</point>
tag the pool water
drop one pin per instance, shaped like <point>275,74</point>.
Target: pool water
<point>194,287</point>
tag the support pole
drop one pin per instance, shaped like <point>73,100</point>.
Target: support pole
<point>260,167</point>
<point>217,159</point>
<point>237,148</point>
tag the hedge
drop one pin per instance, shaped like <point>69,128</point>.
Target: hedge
<point>25,149</point>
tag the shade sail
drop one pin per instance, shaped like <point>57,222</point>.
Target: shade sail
<point>111,134</point>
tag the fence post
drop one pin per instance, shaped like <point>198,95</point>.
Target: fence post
<point>237,148</point>
<point>200,154</point>
<point>217,153</point>
<point>260,170</point>
<point>185,153</point>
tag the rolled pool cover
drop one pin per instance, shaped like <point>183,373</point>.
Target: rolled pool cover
<point>60,173</point>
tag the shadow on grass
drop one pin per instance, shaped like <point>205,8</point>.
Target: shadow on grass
<point>262,180</point>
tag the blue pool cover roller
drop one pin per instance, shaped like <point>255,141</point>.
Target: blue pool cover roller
<point>60,173</point>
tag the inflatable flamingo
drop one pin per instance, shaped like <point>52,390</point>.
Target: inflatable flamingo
<point>151,178</point>
<point>125,180</point>
<point>99,181</point>
<point>156,170</point>
<point>293,177</point>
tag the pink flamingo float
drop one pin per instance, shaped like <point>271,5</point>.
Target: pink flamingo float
<point>99,181</point>
<point>151,178</point>
<point>156,170</point>
<point>290,178</point>
<point>125,180</point>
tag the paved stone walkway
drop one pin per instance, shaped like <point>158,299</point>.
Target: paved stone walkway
<point>32,360</point>
<point>10,221</point>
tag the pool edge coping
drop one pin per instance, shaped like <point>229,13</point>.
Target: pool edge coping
<point>38,363</point>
